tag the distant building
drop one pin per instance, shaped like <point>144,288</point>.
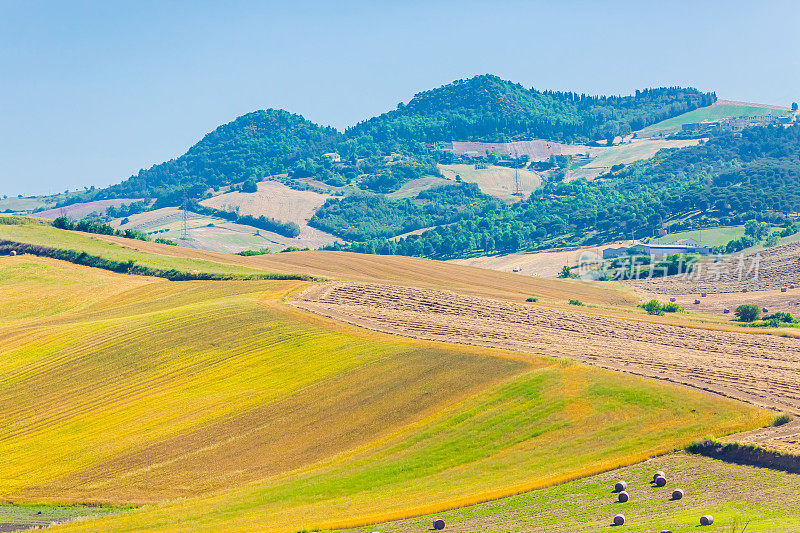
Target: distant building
<point>700,126</point>
<point>333,156</point>
<point>784,120</point>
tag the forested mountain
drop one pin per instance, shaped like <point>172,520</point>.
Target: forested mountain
<point>485,107</point>
<point>254,145</point>
<point>734,177</point>
<point>491,109</point>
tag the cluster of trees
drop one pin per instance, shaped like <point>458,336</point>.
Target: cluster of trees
<point>756,232</point>
<point>287,229</point>
<point>708,179</point>
<point>365,217</point>
<point>89,226</point>
<point>126,210</point>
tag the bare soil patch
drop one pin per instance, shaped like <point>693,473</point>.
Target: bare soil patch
<point>760,369</point>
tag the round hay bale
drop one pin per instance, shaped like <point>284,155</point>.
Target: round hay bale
<point>706,520</point>
<point>12,253</point>
<point>783,289</point>
<point>438,524</point>
<point>672,300</point>
<point>791,287</point>
<point>764,310</point>
<point>703,294</point>
<point>677,494</point>
<point>619,519</point>
<point>623,497</point>
<point>658,475</point>
<point>661,481</point>
<point>619,486</point>
<point>696,302</point>
<point>726,311</point>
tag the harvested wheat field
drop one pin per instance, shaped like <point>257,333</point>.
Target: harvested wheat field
<point>716,303</point>
<point>187,395</point>
<point>763,270</point>
<point>547,263</point>
<point>760,369</point>
<point>273,199</point>
<point>496,181</point>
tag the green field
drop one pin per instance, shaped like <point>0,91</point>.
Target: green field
<point>24,517</point>
<point>44,234</point>
<point>735,495</point>
<point>707,237</point>
<point>713,112</point>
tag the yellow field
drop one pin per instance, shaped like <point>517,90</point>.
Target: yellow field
<point>226,409</point>
<point>339,265</point>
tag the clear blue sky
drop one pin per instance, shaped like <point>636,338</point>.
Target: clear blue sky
<point>90,92</point>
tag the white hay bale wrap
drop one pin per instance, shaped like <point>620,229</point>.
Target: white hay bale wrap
<point>658,475</point>
<point>623,497</point>
<point>438,524</point>
<point>661,481</point>
<point>677,494</point>
<point>619,519</point>
<point>12,253</point>
<point>706,520</point>
<point>619,486</point>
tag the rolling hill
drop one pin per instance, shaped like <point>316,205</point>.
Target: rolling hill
<point>186,396</point>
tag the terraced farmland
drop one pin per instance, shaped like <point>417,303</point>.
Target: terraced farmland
<point>232,411</point>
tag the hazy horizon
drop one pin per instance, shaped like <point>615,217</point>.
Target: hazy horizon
<point>92,92</point>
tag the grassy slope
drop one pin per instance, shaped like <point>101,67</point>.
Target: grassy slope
<point>732,494</point>
<point>185,389</point>
<point>707,237</point>
<point>340,265</point>
<point>714,112</point>
<point>122,250</point>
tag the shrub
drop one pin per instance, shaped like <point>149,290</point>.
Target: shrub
<point>566,272</point>
<point>747,312</point>
<point>575,302</point>
<point>781,419</point>
<point>781,316</point>
<point>248,253</point>
<point>532,299</point>
<point>166,241</point>
<point>653,307</point>
<point>672,307</point>
<point>250,186</point>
